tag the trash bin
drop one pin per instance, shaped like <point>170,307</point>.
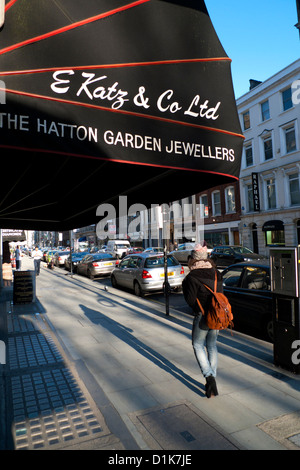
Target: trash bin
<point>284,267</point>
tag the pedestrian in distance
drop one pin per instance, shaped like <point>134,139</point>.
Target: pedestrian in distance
<point>18,258</point>
<point>204,340</point>
<point>37,256</point>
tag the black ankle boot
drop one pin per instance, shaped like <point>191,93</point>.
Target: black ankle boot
<point>211,387</point>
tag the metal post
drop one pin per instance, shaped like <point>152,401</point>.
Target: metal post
<point>70,236</point>
<point>1,259</point>
<point>166,283</point>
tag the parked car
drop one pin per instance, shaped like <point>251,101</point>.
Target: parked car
<point>60,257</point>
<point>76,258</point>
<point>135,249</point>
<point>50,255</point>
<point>248,288</point>
<point>118,248</point>
<point>226,255</point>
<point>44,257</point>
<point>154,249</point>
<point>96,264</point>
<point>184,250</point>
<point>144,273</point>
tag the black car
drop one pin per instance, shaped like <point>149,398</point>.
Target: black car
<point>248,288</point>
<point>76,258</point>
<point>226,255</point>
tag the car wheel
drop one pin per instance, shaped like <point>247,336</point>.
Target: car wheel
<point>137,290</point>
<point>90,275</point>
<point>114,282</point>
<point>269,330</point>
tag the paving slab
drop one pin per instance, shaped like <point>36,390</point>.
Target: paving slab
<point>284,429</point>
<point>180,426</point>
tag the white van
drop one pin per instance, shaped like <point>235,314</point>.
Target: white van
<point>118,248</point>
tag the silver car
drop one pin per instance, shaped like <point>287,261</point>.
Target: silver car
<point>96,264</point>
<point>60,257</point>
<point>144,273</point>
<point>184,250</point>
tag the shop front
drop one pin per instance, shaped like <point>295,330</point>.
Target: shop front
<point>274,233</point>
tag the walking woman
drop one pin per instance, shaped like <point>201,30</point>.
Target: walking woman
<point>204,340</point>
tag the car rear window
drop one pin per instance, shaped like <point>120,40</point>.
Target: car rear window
<point>158,262</point>
<point>102,256</point>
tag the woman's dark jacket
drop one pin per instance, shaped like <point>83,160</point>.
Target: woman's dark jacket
<point>193,287</point>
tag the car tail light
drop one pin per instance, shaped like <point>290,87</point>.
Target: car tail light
<point>117,262</point>
<point>95,264</point>
<point>146,274</point>
<point>182,270</point>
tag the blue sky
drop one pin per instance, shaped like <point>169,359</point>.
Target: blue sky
<point>258,35</point>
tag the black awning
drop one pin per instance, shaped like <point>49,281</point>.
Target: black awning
<point>110,97</point>
<point>272,225</point>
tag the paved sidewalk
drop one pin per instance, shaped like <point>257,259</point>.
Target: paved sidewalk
<point>112,372</point>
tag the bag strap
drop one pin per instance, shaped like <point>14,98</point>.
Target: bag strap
<point>216,279</point>
<point>215,286</point>
<point>212,291</point>
<point>200,306</point>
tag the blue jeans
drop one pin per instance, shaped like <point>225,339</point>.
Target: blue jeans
<point>37,263</point>
<point>205,348</point>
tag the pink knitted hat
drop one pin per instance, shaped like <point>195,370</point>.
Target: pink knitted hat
<point>199,252</point>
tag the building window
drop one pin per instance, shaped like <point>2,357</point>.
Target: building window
<point>250,201</point>
<point>268,148</point>
<point>204,206</point>
<point>287,102</point>
<point>249,155</point>
<point>294,189</point>
<point>230,199</point>
<point>271,193</point>
<point>274,233</point>
<point>246,120</point>
<point>290,139</point>
<point>216,199</point>
<point>275,238</point>
<point>265,110</point>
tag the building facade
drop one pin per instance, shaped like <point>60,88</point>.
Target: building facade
<point>221,213</point>
<point>270,170</point>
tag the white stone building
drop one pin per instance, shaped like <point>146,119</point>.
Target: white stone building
<point>270,171</point>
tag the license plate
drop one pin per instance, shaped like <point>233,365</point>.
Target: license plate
<point>107,264</point>
<point>171,273</point>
